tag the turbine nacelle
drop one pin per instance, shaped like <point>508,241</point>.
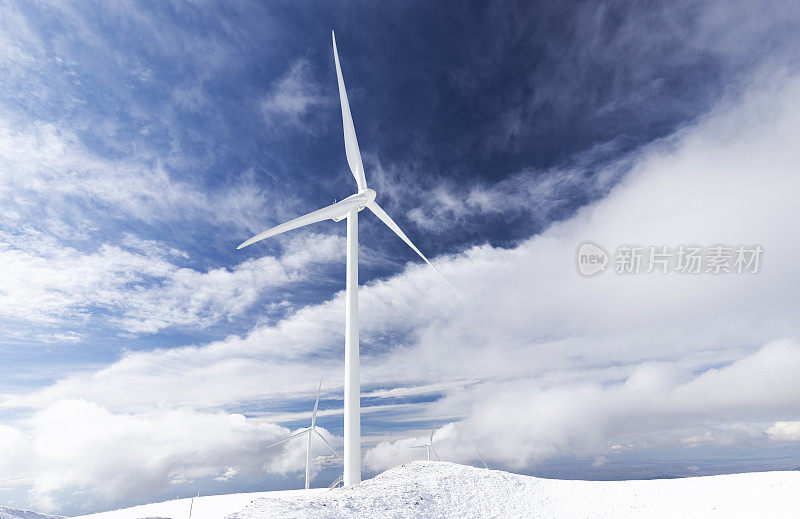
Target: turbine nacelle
<point>369,193</point>
<point>370,197</point>
<point>365,198</point>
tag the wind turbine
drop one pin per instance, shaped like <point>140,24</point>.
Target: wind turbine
<point>310,431</point>
<point>348,208</point>
<point>428,445</point>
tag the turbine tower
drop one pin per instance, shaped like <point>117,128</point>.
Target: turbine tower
<point>349,208</point>
<point>428,445</point>
<point>310,431</point>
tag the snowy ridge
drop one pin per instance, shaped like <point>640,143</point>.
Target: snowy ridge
<point>16,513</point>
<point>440,489</point>
<point>205,507</point>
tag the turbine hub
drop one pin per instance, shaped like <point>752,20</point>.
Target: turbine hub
<point>369,193</point>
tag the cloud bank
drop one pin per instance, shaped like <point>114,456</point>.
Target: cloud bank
<point>107,221</point>
<point>571,365</point>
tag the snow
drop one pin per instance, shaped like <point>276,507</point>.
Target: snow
<point>204,507</point>
<point>16,513</point>
<point>440,489</point>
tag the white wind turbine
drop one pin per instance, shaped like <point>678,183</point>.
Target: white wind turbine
<point>310,431</point>
<point>428,445</point>
<point>348,208</point>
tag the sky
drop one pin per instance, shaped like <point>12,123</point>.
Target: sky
<point>143,357</point>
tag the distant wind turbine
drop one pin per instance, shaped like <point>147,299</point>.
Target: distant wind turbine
<point>310,431</point>
<point>348,208</point>
<point>428,445</point>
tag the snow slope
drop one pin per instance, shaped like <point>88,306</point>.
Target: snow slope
<point>205,507</point>
<point>16,513</point>
<point>440,489</point>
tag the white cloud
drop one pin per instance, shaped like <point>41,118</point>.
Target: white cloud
<point>525,421</point>
<point>78,446</point>
<point>292,96</point>
<point>526,312</point>
<point>597,365</point>
<point>785,431</point>
<point>142,284</point>
<point>48,169</point>
<point>61,204</point>
<point>543,195</point>
<point>229,473</point>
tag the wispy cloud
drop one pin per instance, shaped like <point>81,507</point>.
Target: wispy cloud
<point>539,197</point>
<point>292,97</point>
<point>122,165</point>
<point>640,361</point>
<point>49,169</point>
<point>140,284</point>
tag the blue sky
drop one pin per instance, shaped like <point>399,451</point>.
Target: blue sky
<point>141,142</point>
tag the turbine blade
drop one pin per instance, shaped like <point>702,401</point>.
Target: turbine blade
<point>380,213</point>
<point>295,435</point>
<point>350,141</point>
<point>433,430</point>
<point>417,446</point>
<point>316,405</point>
<point>481,457</point>
<point>434,453</point>
<point>332,211</point>
<point>336,482</point>
<point>328,444</point>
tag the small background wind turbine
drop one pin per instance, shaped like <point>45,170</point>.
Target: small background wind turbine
<point>349,208</point>
<point>310,431</point>
<point>428,445</point>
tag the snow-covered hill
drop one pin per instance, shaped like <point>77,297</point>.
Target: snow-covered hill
<point>440,489</point>
<point>204,507</point>
<point>15,513</point>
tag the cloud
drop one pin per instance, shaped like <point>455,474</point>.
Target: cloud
<point>50,178</point>
<point>141,284</point>
<point>615,61</point>
<point>292,96</point>
<point>526,312</point>
<point>188,297</point>
<point>68,211</point>
<point>599,365</point>
<point>230,472</point>
<point>78,446</point>
<point>543,196</point>
<point>785,431</point>
<point>94,139</point>
<point>660,405</point>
